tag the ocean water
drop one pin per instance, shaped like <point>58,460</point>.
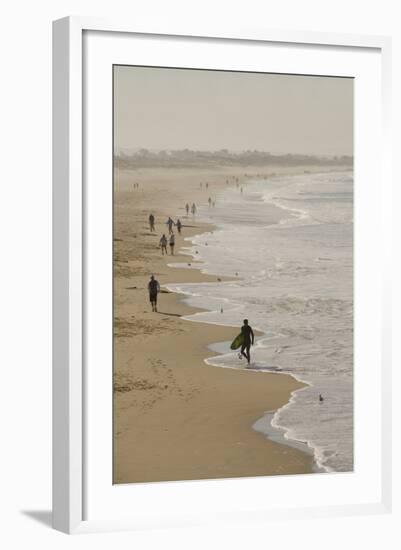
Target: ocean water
<point>287,242</point>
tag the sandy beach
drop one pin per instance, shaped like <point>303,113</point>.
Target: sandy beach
<point>175,417</point>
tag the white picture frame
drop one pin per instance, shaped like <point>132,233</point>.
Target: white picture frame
<point>70,257</point>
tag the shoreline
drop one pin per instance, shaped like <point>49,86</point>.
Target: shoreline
<point>264,424</point>
<point>189,387</point>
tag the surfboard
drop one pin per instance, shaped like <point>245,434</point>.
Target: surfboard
<point>237,342</point>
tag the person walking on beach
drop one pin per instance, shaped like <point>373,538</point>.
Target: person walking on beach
<point>209,200</point>
<point>187,208</point>
<point>163,244</point>
<point>170,224</point>
<point>193,209</point>
<point>172,243</point>
<point>152,222</point>
<point>154,289</point>
<point>179,225</point>
<point>249,339</point>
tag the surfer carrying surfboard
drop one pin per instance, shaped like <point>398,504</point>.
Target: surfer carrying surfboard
<point>244,340</point>
<point>248,340</point>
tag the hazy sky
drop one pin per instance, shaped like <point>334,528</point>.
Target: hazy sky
<point>208,110</point>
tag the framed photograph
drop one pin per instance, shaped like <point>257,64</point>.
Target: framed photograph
<point>220,260</point>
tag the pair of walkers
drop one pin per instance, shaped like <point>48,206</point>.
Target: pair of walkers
<point>170,223</point>
<point>192,208</point>
<point>164,241</point>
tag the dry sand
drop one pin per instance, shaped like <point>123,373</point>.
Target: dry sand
<point>176,417</point>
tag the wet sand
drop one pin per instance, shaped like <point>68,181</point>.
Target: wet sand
<point>176,417</point>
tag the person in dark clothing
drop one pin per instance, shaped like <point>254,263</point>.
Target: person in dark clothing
<point>154,289</point>
<point>249,339</point>
<point>170,224</point>
<point>172,243</point>
<point>179,225</point>
<point>163,244</point>
<point>152,222</point>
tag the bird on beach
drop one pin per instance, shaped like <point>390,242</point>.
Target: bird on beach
<point>320,398</point>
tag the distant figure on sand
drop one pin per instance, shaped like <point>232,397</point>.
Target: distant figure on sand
<point>249,339</point>
<point>163,244</point>
<point>187,208</point>
<point>179,225</point>
<point>170,224</point>
<point>193,208</point>
<point>172,243</point>
<point>152,222</point>
<point>209,200</point>
<point>154,289</point>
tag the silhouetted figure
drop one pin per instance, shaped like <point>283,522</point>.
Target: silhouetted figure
<point>163,244</point>
<point>152,222</point>
<point>170,224</point>
<point>249,339</point>
<point>172,243</point>
<point>154,289</point>
<point>179,225</point>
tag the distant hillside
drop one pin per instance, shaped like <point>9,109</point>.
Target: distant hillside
<point>201,159</point>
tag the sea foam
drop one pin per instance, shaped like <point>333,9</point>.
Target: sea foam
<point>287,244</point>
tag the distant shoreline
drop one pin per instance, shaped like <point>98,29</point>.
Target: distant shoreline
<point>224,159</point>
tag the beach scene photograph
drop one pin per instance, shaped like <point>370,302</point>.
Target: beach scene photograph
<point>232,274</point>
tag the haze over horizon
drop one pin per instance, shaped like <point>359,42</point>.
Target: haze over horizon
<point>175,109</point>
